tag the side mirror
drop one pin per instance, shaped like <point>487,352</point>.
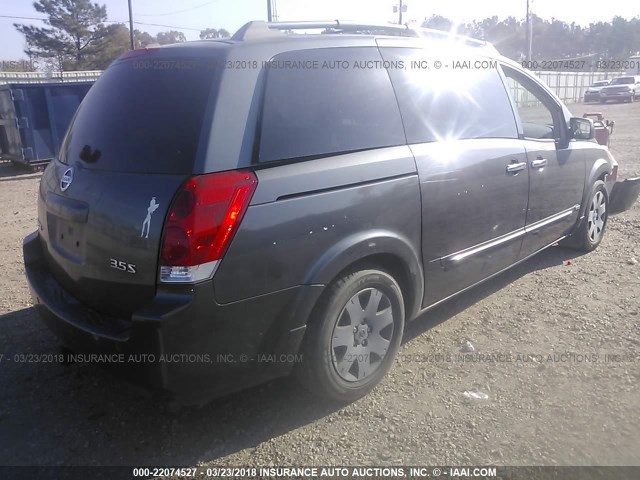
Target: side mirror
<point>582,128</point>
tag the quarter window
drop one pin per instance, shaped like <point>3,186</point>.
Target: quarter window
<point>328,101</point>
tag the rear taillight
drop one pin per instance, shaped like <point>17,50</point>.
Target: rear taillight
<point>203,218</point>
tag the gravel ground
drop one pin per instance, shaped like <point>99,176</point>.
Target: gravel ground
<point>570,395</point>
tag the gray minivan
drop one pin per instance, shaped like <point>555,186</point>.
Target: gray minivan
<point>235,210</point>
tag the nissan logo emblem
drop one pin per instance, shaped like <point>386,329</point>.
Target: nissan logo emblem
<point>67,178</point>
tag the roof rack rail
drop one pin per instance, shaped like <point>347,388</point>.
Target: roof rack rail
<point>260,29</point>
<point>339,27</point>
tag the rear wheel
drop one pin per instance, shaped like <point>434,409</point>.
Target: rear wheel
<point>590,234</point>
<point>354,335</point>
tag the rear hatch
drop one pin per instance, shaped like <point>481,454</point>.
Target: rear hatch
<point>132,143</point>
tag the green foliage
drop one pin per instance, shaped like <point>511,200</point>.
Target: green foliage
<point>74,29</point>
<point>111,46</point>
<point>172,36</point>
<point>76,38</point>
<point>211,33</point>
<point>143,39</point>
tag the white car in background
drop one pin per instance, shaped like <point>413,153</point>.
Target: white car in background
<point>625,89</point>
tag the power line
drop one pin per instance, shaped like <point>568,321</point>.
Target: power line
<point>161,25</point>
<point>111,21</point>
<point>21,18</point>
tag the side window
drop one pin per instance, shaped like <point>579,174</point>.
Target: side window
<point>449,103</point>
<point>534,106</point>
<point>328,101</point>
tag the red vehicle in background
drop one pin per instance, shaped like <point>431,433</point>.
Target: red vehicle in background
<point>604,128</point>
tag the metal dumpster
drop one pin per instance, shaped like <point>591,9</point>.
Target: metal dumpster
<point>34,119</point>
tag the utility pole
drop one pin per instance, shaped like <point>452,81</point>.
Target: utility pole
<point>400,13</point>
<point>529,32</point>
<point>269,14</point>
<point>131,25</point>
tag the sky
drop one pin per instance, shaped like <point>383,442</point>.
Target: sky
<point>191,16</point>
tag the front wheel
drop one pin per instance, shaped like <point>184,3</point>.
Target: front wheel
<point>353,335</point>
<point>590,234</point>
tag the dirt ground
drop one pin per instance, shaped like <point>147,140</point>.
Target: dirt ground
<point>570,395</point>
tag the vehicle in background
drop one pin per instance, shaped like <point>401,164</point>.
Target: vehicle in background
<point>593,92</point>
<point>621,89</point>
<point>240,209</point>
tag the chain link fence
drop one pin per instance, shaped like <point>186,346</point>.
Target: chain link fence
<point>570,87</point>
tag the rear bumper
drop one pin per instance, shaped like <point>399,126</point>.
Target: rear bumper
<point>623,195</point>
<point>182,341</point>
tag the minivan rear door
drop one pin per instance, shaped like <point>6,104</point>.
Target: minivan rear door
<point>471,164</point>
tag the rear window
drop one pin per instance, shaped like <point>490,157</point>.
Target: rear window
<point>328,101</point>
<point>143,115</point>
<point>623,81</point>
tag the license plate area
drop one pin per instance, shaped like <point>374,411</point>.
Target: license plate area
<point>67,238</point>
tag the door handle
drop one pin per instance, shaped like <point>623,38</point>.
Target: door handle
<point>516,167</point>
<point>539,163</point>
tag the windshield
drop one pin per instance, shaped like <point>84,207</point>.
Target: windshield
<point>623,81</point>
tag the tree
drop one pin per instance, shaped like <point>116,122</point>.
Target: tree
<point>437,22</point>
<point>74,28</point>
<point>211,33</point>
<point>143,39</point>
<point>553,39</point>
<point>172,36</point>
<point>107,49</point>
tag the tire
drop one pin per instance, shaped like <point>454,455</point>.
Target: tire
<point>590,233</point>
<point>353,336</point>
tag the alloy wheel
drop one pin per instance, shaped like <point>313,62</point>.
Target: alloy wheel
<point>362,335</point>
<point>597,217</point>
